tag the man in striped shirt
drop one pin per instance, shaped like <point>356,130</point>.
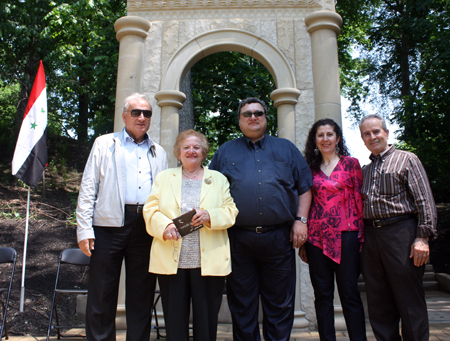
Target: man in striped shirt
<point>400,216</point>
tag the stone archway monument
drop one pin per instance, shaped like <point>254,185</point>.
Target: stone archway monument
<point>296,40</point>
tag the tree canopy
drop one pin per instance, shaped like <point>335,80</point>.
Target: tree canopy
<point>399,63</point>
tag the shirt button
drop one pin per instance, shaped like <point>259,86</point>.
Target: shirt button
<point>260,184</point>
<point>260,213</point>
<point>139,172</point>
<point>260,198</point>
<point>139,187</point>
<point>139,157</point>
<point>233,163</point>
<point>257,160</point>
<point>259,171</point>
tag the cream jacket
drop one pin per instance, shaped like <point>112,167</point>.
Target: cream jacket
<point>164,203</point>
<point>101,200</point>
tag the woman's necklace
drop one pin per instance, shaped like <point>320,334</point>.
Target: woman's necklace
<point>190,178</point>
<point>332,161</point>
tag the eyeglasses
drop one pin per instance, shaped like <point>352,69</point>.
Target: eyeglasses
<point>250,113</point>
<point>137,113</point>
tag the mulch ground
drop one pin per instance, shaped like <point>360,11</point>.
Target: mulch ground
<point>50,233</point>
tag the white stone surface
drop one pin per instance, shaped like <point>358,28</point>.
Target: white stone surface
<point>272,31</point>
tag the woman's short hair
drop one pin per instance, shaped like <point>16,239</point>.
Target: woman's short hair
<point>314,160</point>
<point>188,133</point>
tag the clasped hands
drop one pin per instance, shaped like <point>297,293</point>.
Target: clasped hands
<point>200,217</point>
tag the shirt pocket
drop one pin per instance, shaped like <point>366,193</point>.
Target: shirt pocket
<point>283,172</point>
<point>389,184</point>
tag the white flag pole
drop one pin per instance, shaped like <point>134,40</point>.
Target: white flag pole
<point>22,288</point>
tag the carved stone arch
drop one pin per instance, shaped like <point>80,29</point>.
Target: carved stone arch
<point>170,99</point>
<point>228,40</point>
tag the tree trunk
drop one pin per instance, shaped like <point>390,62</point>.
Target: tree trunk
<point>187,120</point>
<point>83,106</point>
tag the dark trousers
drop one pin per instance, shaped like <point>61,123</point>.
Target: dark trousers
<point>322,271</point>
<point>206,293</point>
<point>263,264</point>
<point>112,244</point>
<point>393,284</point>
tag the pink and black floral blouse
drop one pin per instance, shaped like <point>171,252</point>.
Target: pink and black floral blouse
<point>336,207</point>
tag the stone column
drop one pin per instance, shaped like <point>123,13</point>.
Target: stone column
<point>170,101</point>
<point>285,100</point>
<point>324,26</point>
<point>131,32</point>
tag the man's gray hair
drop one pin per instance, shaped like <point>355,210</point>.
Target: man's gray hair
<point>126,102</point>
<point>381,118</point>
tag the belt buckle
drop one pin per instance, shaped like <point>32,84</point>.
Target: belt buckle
<point>139,209</point>
<point>259,229</point>
<point>375,221</point>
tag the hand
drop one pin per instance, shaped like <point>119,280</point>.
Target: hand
<point>86,245</point>
<point>299,234</point>
<point>420,251</point>
<point>302,254</point>
<point>200,217</point>
<point>171,232</point>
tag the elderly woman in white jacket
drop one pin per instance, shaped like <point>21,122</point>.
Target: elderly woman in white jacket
<point>194,266</point>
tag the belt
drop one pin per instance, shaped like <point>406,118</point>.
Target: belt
<point>260,229</point>
<point>134,208</point>
<point>388,221</point>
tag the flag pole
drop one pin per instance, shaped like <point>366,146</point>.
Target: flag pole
<point>22,288</point>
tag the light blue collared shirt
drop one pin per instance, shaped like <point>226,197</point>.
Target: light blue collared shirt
<point>138,170</point>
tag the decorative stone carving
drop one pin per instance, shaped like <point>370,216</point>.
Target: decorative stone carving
<point>213,4</point>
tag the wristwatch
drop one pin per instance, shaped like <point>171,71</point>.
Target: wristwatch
<point>304,220</point>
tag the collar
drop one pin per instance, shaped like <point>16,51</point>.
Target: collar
<point>127,137</point>
<point>384,154</point>
<point>252,144</point>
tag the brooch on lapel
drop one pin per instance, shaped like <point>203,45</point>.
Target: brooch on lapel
<point>208,181</point>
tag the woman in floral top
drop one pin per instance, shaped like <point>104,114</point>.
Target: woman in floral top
<point>335,229</point>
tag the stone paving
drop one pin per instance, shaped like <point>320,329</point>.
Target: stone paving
<point>438,311</point>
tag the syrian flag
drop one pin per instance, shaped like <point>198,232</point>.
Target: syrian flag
<point>30,156</point>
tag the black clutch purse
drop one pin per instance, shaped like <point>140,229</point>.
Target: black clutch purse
<point>184,223</point>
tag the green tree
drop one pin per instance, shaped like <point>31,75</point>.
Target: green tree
<point>85,55</point>
<point>403,64</point>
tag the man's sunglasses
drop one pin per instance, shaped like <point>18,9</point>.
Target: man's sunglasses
<point>137,113</point>
<point>250,113</point>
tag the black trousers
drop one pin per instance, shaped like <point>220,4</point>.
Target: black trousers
<point>393,284</point>
<point>263,265</point>
<point>112,245</point>
<point>206,293</point>
<point>322,271</point>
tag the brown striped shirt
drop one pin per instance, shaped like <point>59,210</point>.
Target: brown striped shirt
<point>394,184</point>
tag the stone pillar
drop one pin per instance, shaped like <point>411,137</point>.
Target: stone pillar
<point>324,26</point>
<point>131,32</point>
<point>285,100</point>
<point>170,101</point>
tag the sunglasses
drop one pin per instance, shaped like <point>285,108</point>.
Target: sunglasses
<point>137,113</point>
<point>250,113</point>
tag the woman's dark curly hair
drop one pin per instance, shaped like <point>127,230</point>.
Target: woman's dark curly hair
<point>314,160</point>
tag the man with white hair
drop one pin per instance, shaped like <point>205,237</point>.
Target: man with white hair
<point>399,218</point>
<point>116,182</point>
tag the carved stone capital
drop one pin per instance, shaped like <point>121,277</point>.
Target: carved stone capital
<point>285,96</point>
<point>131,25</point>
<point>324,20</point>
<point>170,98</point>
